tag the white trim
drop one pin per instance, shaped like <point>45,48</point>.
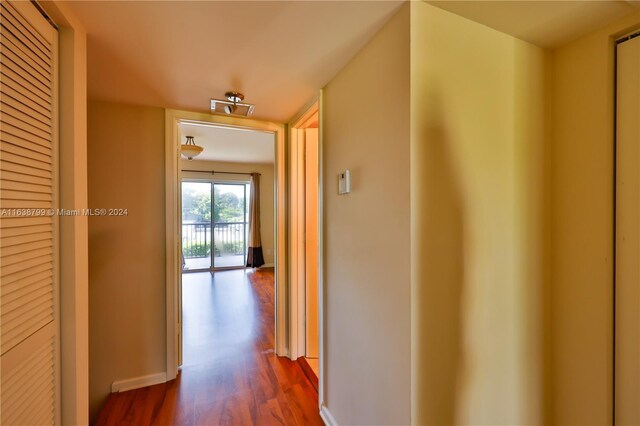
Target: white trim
<point>321,237</point>
<point>138,382</point>
<point>57,242</point>
<point>304,114</point>
<point>172,180</point>
<point>326,416</point>
<point>172,177</point>
<point>297,252</point>
<point>296,313</point>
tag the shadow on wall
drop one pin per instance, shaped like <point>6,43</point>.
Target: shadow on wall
<point>481,321</point>
<point>439,327</point>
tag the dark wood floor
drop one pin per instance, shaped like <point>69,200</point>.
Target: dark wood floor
<point>230,374</point>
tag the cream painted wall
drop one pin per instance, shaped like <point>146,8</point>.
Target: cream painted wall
<point>126,253</point>
<point>582,227</point>
<point>266,193</point>
<point>367,252</point>
<point>478,134</point>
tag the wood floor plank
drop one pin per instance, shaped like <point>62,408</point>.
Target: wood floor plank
<point>270,414</point>
<point>176,408</point>
<point>300,398</point>
<point>308,371</point>
<point>231,375</point>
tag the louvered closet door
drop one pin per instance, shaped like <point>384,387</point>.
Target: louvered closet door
<point>28,242</point>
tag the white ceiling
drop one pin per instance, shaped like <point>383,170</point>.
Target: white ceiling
<point>179,54</point>
<point>548,24</point>
<point>231,145</point>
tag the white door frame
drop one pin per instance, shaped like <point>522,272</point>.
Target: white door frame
<point>297,230</point>
<point>173,231</point>
<point>296,241</point>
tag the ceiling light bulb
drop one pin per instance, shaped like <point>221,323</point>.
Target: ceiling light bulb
<point>234,97</point>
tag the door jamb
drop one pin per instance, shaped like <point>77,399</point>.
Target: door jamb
<point>296,285</point>
<point>297,230</point>
<point>172,182</point>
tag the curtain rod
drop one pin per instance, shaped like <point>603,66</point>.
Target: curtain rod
<point>213,172</point>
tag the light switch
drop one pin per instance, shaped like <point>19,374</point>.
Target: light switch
<point>344,182</point>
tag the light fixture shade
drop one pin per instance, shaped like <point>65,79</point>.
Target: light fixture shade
<point>190,149</point>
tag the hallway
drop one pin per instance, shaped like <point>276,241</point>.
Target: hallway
<point>230,374</point>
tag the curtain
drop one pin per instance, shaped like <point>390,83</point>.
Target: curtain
<point>254,256</point>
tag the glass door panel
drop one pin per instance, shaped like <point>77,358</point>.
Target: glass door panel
<point>196,225</point>
<point>230,225</point>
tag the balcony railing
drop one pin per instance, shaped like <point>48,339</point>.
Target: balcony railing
<point>229,239</point>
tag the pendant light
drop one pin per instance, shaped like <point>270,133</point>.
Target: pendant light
<point>190,149</point>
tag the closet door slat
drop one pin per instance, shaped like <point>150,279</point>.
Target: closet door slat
<point>29,296</point>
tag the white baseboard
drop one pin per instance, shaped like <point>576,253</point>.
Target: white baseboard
<point>326,416</point>
<point>138,382</point>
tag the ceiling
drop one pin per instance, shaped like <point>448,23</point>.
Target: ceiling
<point>548,24</point>
<point>179,54</point>
<point>230,144</point>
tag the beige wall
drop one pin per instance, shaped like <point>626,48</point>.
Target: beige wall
<point>127,253</point>
<point>266,193</point>
<point>366,277</point>
<point>582,228</point>
<point>478,134</point>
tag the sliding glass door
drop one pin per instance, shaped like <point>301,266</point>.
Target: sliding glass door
<point>214,225</point>
<point>196,225</point>
<point>230,217</point>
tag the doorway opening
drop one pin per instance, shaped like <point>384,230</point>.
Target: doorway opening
<point>305,242</point>
<point>227,215</point>
<point>222,170</point>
